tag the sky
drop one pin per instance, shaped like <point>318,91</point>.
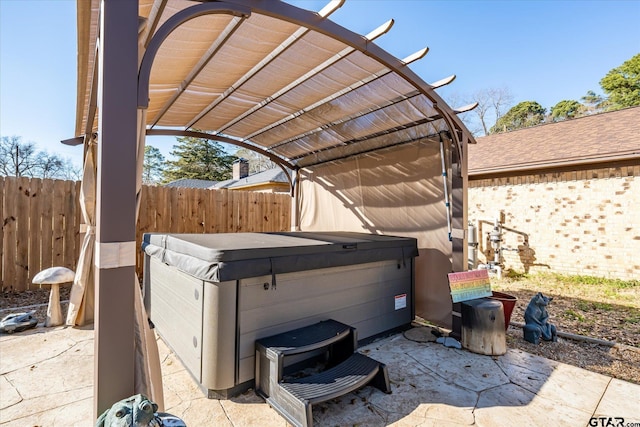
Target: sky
<point>543,51</point>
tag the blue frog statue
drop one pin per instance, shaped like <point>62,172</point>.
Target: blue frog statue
<point>536,318</point>
<point>137,411</point>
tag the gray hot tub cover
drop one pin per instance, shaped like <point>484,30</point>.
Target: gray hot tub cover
<point>232,256</point>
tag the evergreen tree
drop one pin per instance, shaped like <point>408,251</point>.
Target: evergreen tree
<point>566,109</point>
<point>153,167</point>
<point>622,84</point>
<point>198,158</point>
<point>594,103</point>
<point>523,115</point>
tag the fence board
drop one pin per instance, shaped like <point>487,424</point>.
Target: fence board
<point>173,210</point>
<point>231,212</point>
<point>58,223</point>
<point>196,214</point>
<point>213,215</point>
<point>243,211</point>
<point>203,199</point>
<point>9,227</point>
<point>46,205</point>
<point>70,227</point>
<point>22,234</point>
<point>222,216</point>
<point>255,211</point>
<point>35,228</point>
<point>41,220</point>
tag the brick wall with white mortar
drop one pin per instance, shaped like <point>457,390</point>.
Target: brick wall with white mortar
<point>585,222</point>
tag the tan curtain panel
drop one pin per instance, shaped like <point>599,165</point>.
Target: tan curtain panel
<point>397,191</point>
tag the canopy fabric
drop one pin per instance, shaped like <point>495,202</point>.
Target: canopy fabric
<point>348,195</point>
<point>81,299</point>
<point>274,76</point>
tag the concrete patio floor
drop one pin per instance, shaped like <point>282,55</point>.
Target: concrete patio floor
<point>47,376</point>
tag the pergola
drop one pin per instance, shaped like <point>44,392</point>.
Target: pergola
<point>373,148</point>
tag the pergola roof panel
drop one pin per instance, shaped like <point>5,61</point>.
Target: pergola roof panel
<point>350,103</point>
<point>273,76</point>
<point>306,91</point>
<point>394,116</point>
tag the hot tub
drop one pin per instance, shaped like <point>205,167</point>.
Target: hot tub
<point>210,296</point>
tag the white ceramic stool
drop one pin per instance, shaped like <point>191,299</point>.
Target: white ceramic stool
<point>54,277</point>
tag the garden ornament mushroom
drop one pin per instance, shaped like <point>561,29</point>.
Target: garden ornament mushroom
<point>54,277</point>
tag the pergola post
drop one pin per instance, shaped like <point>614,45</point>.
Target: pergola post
<point>115,204</point>
<point>295,200</point>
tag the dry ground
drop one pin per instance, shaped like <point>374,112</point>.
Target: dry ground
<point>607,310</point>
<point>604,309</point>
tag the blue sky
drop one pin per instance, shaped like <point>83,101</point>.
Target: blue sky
<point>543,51</point>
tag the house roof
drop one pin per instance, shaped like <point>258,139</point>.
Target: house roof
<point>270,176</point>
<point>270,76</point>
<point>597,138</point>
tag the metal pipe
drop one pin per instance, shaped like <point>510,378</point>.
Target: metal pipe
<point>473,247</point>
<point>446,187</point>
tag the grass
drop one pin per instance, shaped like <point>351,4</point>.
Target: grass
<point>596,281</point>
<point>634,319</point>
<point>600,292</point>
<point>594,305</point>
<point>574,315</point>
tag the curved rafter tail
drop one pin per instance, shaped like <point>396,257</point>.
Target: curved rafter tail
<point>443,82</point>
<point>415,56</point>
<point>465,108</point>
<point>381,30</point>
<point>330,7</point>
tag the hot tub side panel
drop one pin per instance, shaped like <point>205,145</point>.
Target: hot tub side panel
<point>197,320</point>
<point>373,297</point>
<point>174,305</point>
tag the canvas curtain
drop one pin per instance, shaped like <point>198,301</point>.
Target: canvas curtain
<point>349,195</point>
<point>148,375</point>
<point>81,300</point>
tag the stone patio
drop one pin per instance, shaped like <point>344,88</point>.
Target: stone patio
<point>46,379</point>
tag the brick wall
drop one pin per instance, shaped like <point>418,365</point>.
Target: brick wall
<point>583,222</point>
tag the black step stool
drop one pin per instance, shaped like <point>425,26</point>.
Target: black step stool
<point>346,370</point>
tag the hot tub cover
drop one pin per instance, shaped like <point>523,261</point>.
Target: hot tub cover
<point>231,256</point>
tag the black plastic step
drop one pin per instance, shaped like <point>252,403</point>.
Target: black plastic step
<point>345,369</point>
<point>294,399</point>
<point>355,372</point>
<point>308,338</point>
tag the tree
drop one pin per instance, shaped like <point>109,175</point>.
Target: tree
<point>198,158</point>
<point>257,162</point>
<point>17,158</point>
<point>70,171</point>
<point>622,84</point>
<point>566,109</point>
<point>153,166</point>
<point>22,159</point>
<point>48,166</point>
<point>524,114</point>
<point>492,103</point>
<point>593,103</point>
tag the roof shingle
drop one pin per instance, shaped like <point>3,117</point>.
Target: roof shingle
<point>596,138</point>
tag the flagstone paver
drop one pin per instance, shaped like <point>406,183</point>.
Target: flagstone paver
<point>47,380</point>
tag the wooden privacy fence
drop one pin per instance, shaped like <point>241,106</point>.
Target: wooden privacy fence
<point>41,221</point>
